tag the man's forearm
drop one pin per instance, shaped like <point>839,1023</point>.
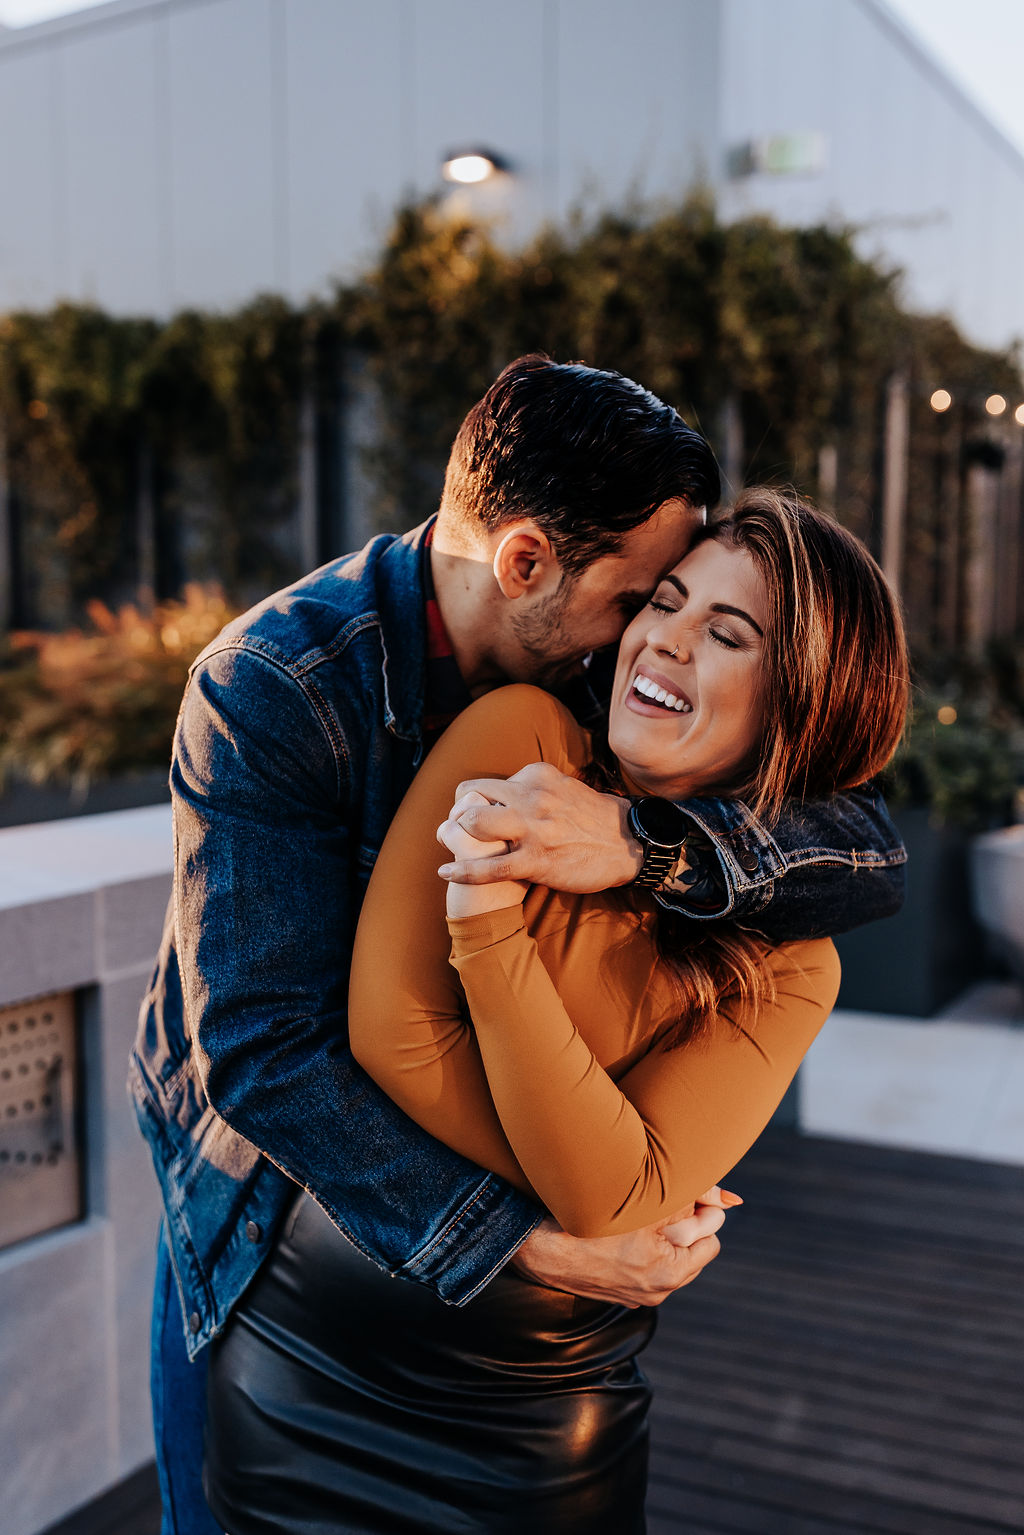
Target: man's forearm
<point>822,868</point>
<point>642,1268</point>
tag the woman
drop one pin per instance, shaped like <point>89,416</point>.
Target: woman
<point>593,1050</point>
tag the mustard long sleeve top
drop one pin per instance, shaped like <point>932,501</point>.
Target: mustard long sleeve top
<point>533,1040</point>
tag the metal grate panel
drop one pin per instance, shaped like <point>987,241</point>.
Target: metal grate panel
<point>40,1180</point>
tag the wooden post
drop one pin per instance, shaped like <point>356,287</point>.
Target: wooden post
<point>894,477</point>
<point>310,555</point>
<point>361,435</point>
<point>1007,552</point>
<point>145,530</point>
<point>6,538</point>
<point>828,475</point>
<point>949,517</point>
<point>979,588</point>
<point>731,438</point>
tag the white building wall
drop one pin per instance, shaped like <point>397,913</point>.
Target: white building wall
<point>636,99</point>
<point>224,122</point>
<point>111,208</point>
<point>32,229</point>
<point>196,152</point>
<point>934,187</point>
<point>349,147</point>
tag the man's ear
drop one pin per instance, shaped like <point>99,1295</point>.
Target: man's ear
<point>524,562</point>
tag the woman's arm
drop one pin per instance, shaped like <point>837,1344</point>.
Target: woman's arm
<point>524,1094</point>
<point>607,1156</point>
<point>408,1022</point>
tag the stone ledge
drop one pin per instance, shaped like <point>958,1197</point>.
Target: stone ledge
<point>53,859</point>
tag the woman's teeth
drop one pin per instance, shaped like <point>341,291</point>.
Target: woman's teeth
<point>651,691</point>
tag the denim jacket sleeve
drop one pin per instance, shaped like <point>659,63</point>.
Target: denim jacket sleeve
<point>267,884</point>
<point>823,867</point>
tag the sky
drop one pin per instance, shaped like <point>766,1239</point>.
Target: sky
<point>981,44</point>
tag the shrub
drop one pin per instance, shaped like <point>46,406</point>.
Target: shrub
<point>962,757</point>
<point>101,700</point>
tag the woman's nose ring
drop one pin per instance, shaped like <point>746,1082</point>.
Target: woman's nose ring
<point>673,652</point>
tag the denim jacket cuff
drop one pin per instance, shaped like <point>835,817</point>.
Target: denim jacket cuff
<point>479,1240</point>
<point>748,863</point>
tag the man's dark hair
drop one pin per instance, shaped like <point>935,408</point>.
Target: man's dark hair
<point>588,454</point>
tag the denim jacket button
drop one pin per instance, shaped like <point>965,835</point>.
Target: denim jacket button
<point>252,1231</point>
<point>748,862</point>
<point>194,1323</point>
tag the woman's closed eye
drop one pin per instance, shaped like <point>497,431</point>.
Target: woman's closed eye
<point>720,636</point>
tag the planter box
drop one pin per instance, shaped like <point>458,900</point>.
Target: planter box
<point>22,804</point>
<point>930,951</point>
<point>997,892</point>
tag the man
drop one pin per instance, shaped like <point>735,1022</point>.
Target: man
<point>568,494</point>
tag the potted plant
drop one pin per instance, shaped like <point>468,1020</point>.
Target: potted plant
<point>955,775</point>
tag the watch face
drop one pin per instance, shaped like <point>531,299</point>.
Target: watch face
<point>660,821</point>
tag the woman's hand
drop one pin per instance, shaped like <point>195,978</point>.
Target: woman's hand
<point>704,1217</point>
<point>471,900</point>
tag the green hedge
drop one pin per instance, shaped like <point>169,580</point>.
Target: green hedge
<point>186,433</point>
<point>789,328</point>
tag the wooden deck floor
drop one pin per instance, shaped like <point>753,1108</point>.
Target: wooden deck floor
<point>854,1361</point>
<point>853,1364</point>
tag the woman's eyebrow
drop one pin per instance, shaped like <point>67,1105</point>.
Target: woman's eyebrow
<point>723,607</point>
<point>718,607</point>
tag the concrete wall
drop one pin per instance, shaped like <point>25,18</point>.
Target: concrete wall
<point>197,152</point>
<point>81,906</point>
<point>934,186</point>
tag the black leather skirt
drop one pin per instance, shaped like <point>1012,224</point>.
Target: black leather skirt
<point>343,1400</point>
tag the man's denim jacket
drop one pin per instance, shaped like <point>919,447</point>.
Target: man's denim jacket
<point>299,733</point>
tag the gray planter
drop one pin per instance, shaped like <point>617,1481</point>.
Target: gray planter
<point>930,951</point>
<point>24,803</point>
<point>997,892</point>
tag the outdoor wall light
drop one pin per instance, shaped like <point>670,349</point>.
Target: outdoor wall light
<point>995,404</point>
<point>468,166</point>
<point>941,400</point>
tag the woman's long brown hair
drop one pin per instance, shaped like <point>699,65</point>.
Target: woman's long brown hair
<point>835,691</point>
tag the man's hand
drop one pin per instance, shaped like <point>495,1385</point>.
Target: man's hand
<point>559,832</point>
<point>641,1268</point>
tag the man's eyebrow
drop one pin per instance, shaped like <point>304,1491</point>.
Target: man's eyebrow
<point>718,607</point>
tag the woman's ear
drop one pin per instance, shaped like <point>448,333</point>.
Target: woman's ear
<point>524,562</point>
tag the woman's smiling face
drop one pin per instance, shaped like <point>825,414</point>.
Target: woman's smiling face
<point>686,711</point>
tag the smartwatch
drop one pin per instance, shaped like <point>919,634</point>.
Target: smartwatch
<point>660,828</point>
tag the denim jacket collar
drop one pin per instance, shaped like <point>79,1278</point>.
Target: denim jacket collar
<point>399,585</point>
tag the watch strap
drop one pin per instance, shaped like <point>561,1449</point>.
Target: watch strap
<point>658,864</point>
<point>660,858</point>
